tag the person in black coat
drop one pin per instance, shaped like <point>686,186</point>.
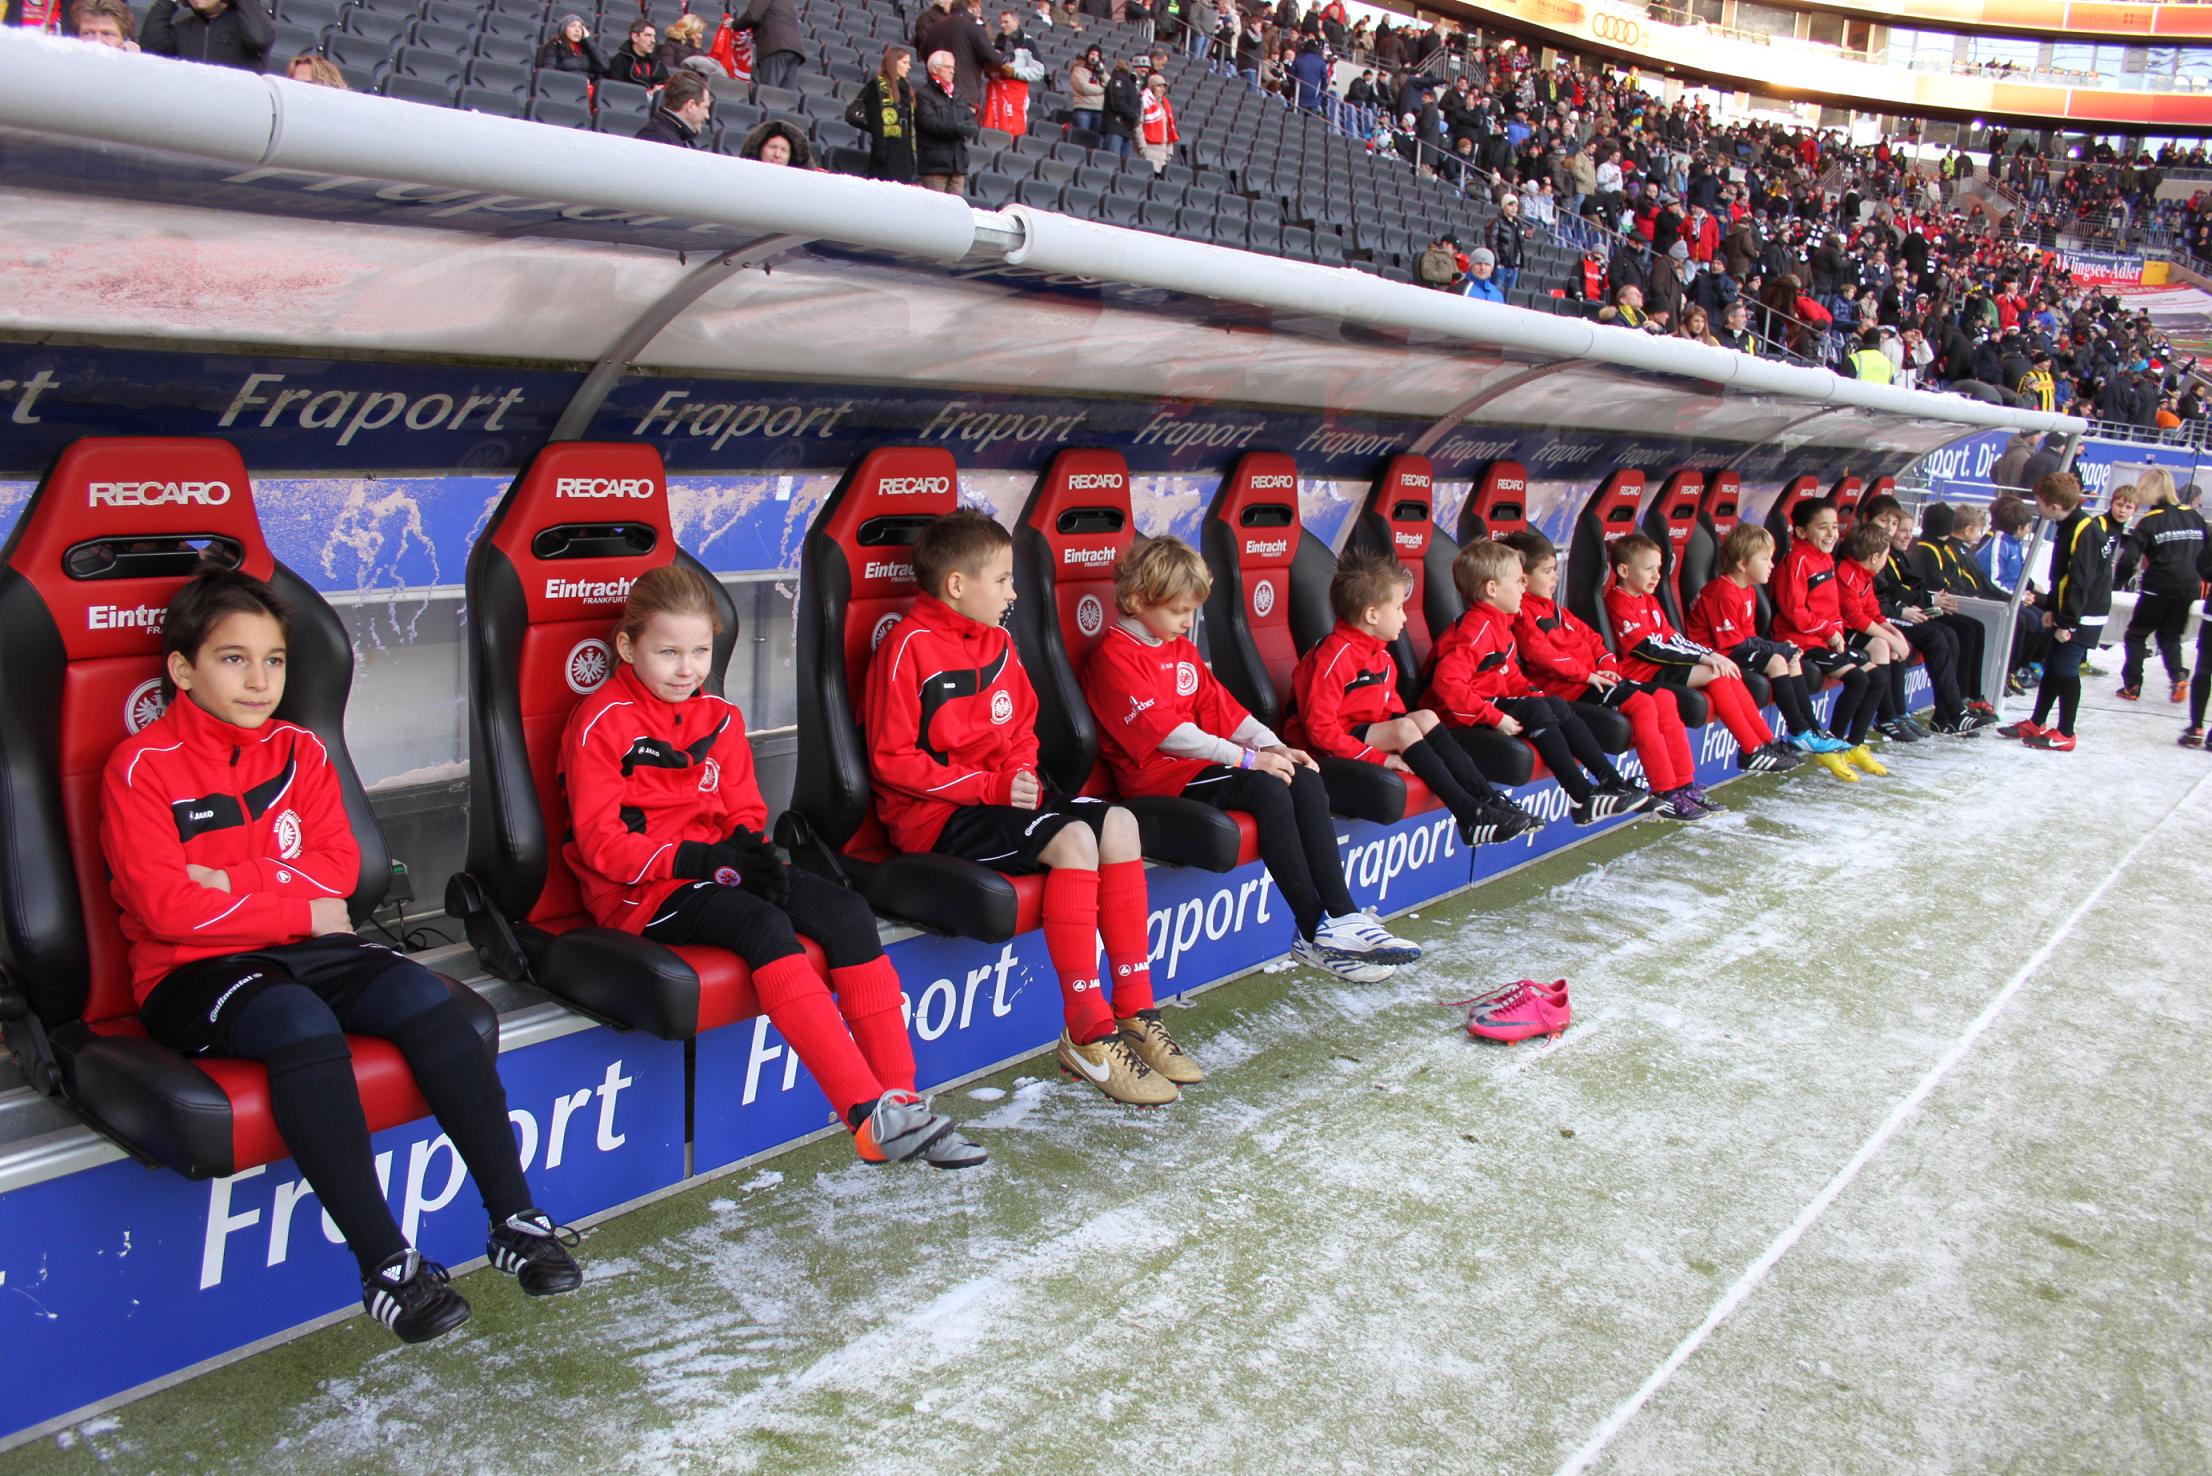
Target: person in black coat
<point>681,117</point>
<point>778,43</point>
<point>1124,109</point>
<point>571,49</point>
<point>943,124</point>
<point>223,33</point>
<point>635,62</point>
<point>884,110</point>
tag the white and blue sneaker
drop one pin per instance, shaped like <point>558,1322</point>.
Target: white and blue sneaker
<point>1361,937</point>
<point>1350,968</point>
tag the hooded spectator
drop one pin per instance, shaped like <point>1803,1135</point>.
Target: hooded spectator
<point>778,142</point>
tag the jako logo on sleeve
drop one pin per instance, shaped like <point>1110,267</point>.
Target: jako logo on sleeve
<point>159,494</point>
<point>637,487</point>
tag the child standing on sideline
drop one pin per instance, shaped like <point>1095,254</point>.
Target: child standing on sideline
<point>1166,725</point>
<point>2168,541</point>
<point>952,741</point>
<point>230,858</point>
<point>1566,658</point>
<point>1346,701</point>
<point>1725,617</point>
<point>665,840</point>
<point>2081,601</point>
<point>1651,649</point>
<point>1808,613</point>
<point>1475,677</point>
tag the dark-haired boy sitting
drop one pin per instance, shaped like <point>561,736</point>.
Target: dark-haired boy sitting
<point>231,859</point>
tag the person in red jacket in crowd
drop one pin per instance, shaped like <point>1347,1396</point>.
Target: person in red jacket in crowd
<point>1651,649</point>
<point>666,841</point>
<point>1808,613</point>
<point>1166,725</point>
<point>1725,617</point>
<point>1475,678</point>
<point>1345,700</point>
<point>1566,658</point>
<point>230,857</point>
<point>952,740</point>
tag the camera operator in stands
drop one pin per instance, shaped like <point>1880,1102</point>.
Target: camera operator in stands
<point>223,33</point>
<point>681,116</point>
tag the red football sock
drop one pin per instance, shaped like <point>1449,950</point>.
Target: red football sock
<point>797,1003</point>
<point>1649,732</point>
<point>1123,919</point>
<point>869,998</point>
<point>1071,937</point>
<point>1732,702</point>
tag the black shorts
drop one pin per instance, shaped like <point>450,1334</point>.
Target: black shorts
<point>1755,653</point>
<point>192,1008</point>
<point>1858,643</point>
<point>1006,838</point>
<point>1828,662</point>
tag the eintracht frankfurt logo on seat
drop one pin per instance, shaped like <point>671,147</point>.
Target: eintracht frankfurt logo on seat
<point>883,628</point>
<point>144,705</point>
<point>1263,597</point>
<point>588,665</point>
<point>1090,615</point>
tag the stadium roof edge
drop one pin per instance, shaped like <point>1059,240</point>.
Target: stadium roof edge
<point>243,119</point>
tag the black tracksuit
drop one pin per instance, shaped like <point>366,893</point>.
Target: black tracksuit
<point>1895,589</point>
<point>2081,601</point>
<point>2169,542</point>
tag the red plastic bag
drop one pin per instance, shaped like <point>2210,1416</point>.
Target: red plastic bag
<point>1006,105</point>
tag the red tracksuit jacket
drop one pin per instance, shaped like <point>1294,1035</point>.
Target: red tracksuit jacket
<point>1724,615</point>
<point>1855,600</point>
<point>1559,651</point>
<point>259,804</point>
<point>1647,640</point>
<point>1473,664</point>
<point>1807,606</point>
<point>951,719</point>
<point>643,776</point>
<point>1140,693</point>
<point>1346,682</point>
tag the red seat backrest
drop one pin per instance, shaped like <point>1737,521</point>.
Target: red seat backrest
<point>113,531</point>
<point>1609,514</point>
<point>1669,521</point>
<point>1070,538</point>
<point>1400,518</point>
<point>1251,538</point>
<point>1845,494</point>
<point>1722,506</point>
<point>546,583</point>
<point>856,580</point>
<point>1778,517</point>
<point>1498,503</point>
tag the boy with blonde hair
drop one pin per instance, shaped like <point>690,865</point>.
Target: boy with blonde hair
<point>1166,725</point>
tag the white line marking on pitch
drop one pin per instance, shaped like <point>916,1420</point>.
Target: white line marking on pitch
<point>1747,1283</point>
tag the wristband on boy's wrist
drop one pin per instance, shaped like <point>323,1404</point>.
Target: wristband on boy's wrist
<point>1244,760</point>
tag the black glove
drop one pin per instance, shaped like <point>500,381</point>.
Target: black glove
<point>704,859</point>
<point>762,868</point>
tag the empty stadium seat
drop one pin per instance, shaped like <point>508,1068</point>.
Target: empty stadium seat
<point>1846,494</point>
<point>545,583</point>
<point>855,581</point>
<point>1073,531</point>
<point>76,687</point>
<point>1269,575</point>
<point>1778,516</point>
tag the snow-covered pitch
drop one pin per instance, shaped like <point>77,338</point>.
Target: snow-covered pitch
<point>1878,1146</point>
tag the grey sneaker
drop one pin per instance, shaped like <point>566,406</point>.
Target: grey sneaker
<point>901,1126</point>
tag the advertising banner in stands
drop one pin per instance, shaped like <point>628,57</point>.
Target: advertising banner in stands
<point>123,1273</point>
<point>2103,269</point>
<point>1965,472</point>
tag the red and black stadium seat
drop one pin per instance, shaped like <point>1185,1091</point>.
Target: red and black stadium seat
<point>545,583</point>
<point>1073,532</point>
<point>1608,514</point>
<point>1846,494</point>
<point>1400,517</point>
<point>104,543</point>
<point>1778,516</point>
<point>1497,504</point>
<point>1270,602</point>
<point>1669,522</point>
<point>855,580</point>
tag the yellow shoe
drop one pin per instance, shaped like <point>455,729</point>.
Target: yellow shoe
<point>1863,757</point>
<point>1116,1070</point>
<point>1148,1037</point>
<point>1834,764</point>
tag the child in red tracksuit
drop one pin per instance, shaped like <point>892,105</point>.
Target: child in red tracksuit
<point>952,741</point>
<point>1860,555</point>
<point>1345,701</point>
<point>1566,658</point>
<point>1475,678</point>
<point>1166,725</point>
<point>230,858</point>
<point>1725,617</point>
<point>665,840</point>
<point>1808,613</point>
<point>1651,649</point>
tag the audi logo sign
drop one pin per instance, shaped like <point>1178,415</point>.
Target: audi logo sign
<point>1618,29</point>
